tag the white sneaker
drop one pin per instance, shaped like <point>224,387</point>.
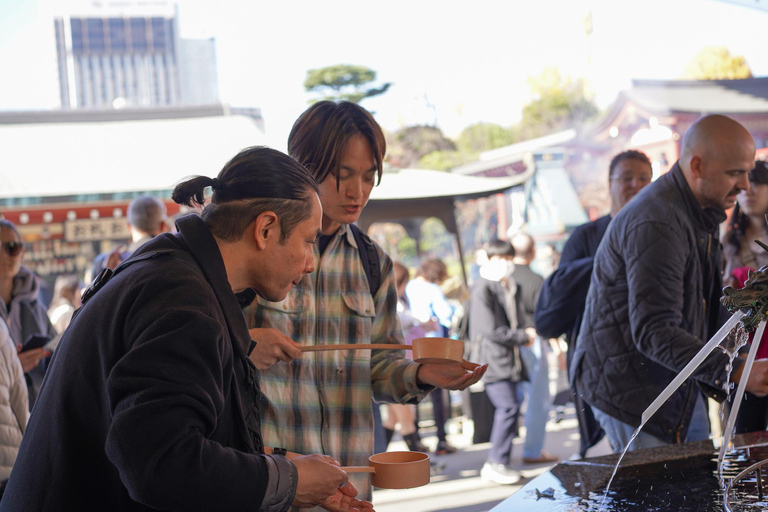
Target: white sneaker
<point>499,473</point>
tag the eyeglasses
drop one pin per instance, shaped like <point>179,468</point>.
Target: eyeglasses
<point>628,178</point>
<point>12,248</point>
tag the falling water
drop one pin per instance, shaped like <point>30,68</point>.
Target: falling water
<point>731,345</point>
<point>675,384</point>
<point>728,435</point>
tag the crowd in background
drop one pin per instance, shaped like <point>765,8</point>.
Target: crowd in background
<point>509,317</point>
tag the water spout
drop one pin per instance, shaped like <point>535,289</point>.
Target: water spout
<point>728,435</point>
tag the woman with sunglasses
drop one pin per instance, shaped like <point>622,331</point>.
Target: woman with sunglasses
<point>20,307</point>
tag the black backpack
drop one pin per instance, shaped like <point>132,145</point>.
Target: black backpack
<point>370,257</point>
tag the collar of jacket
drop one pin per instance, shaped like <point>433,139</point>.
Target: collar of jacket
<point>708,218</point>
<point>197,237</point>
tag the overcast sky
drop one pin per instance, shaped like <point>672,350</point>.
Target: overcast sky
<point>469,61</point>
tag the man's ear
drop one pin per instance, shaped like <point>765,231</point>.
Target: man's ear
<point>696,166</point>
<point>266,229</point>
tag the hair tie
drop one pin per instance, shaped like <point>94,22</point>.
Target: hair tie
<point>215,184</point>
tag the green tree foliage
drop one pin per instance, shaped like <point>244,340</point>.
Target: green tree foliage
<point>717,63</point>
<point>344,82</point>
<point>408,145</point>
<point>444,160</point>
<point>479,137</point>
<point>558,103</point>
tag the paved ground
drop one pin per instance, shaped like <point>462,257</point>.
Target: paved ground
<point>459,487</point>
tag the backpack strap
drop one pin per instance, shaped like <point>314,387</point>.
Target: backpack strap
<point>107,273</point>
<point>370,257</point>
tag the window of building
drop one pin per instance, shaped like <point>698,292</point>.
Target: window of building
<point>138,35</point>
<point>117,41</point>
<point>95,35</point>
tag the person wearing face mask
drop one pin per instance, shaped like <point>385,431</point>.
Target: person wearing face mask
<point>563,296</point>
<point>740,255</point>
<point>494,314</point>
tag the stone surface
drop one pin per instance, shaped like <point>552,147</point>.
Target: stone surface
<point>677,477</point>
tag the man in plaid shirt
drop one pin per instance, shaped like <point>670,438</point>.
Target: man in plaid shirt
<point>320,402</point>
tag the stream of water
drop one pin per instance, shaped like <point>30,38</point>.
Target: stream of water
<point>676,383</point>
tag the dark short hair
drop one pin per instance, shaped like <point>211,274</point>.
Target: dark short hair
<point>501,248</point>
<point>402,275</point>
<point>321,133</point>
<point>10,225</point>
<point>630,154</point>
<point>760,173</point>
<point>432,270</point>
<point>256,180</point>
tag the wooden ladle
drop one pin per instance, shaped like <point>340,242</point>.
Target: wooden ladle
<point>425,350</point>
<point>389,470</point>
<point>395,470</point>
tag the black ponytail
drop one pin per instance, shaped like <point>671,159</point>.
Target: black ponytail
<point>256,180</point>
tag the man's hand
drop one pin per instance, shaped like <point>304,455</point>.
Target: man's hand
<point>320,478</point>
<point>757,381</point>
<point>344,501</point>
<point>272,346</point>
<point>450,374</point>
<point>31,358</point>
<point>532,335</point>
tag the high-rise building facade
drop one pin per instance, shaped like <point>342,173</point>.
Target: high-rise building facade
<point>125,54</point>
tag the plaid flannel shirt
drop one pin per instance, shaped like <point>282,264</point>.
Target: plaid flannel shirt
<point>321,403</point>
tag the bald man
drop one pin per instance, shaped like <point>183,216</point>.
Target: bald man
<point>654,295</point>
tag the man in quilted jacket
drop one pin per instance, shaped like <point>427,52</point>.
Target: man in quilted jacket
<point>654,295</point>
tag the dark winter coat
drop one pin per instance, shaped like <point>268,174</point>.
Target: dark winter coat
<point>147,403</point>
<point>564,293</point>
<point>652,302</point>
<point>499,342</point>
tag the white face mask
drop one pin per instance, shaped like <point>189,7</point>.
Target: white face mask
<point>497,269</point>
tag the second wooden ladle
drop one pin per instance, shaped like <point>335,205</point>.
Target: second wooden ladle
<point>425,350</point>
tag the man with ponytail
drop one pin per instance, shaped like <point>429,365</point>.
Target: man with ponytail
<point>151,402</point>
<point>320,402</point>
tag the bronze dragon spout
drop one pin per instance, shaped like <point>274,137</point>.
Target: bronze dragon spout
<point>753,298</point>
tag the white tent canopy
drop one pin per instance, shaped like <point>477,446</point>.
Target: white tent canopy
<point>73,158</point>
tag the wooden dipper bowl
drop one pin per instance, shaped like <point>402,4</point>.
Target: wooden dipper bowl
<point>425,350</point>
<point>395,470</point>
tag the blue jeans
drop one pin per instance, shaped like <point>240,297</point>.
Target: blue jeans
<point>539,397</point>
<point>503,395</point>
<point>619,433</point>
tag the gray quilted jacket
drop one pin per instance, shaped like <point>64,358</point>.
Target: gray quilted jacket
<point>652,303</point>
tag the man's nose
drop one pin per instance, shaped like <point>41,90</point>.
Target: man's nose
<point>355,188</point>
<point>310,266</point>
<point>744,182</point>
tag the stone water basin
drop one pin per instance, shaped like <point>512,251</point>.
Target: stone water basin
<point>673,478</point>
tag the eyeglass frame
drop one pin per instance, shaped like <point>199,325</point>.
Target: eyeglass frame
<point>626,179</point>
<point>10,248</point>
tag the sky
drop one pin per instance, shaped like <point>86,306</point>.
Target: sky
<point>453,64</point>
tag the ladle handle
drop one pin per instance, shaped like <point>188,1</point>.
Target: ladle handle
<point>358,469</point>
<point>355,346</point>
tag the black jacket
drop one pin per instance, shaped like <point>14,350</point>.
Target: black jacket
<point>489,325</point>
<point>564,293</point>
<point>528,290</point>
<point>653,300</point>
<point>146,404</point>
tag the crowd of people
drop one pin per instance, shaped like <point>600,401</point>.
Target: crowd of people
<point>173,377</point>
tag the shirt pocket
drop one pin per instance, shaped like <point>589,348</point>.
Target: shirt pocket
<point>361,313</point>
<point>286,316</point>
